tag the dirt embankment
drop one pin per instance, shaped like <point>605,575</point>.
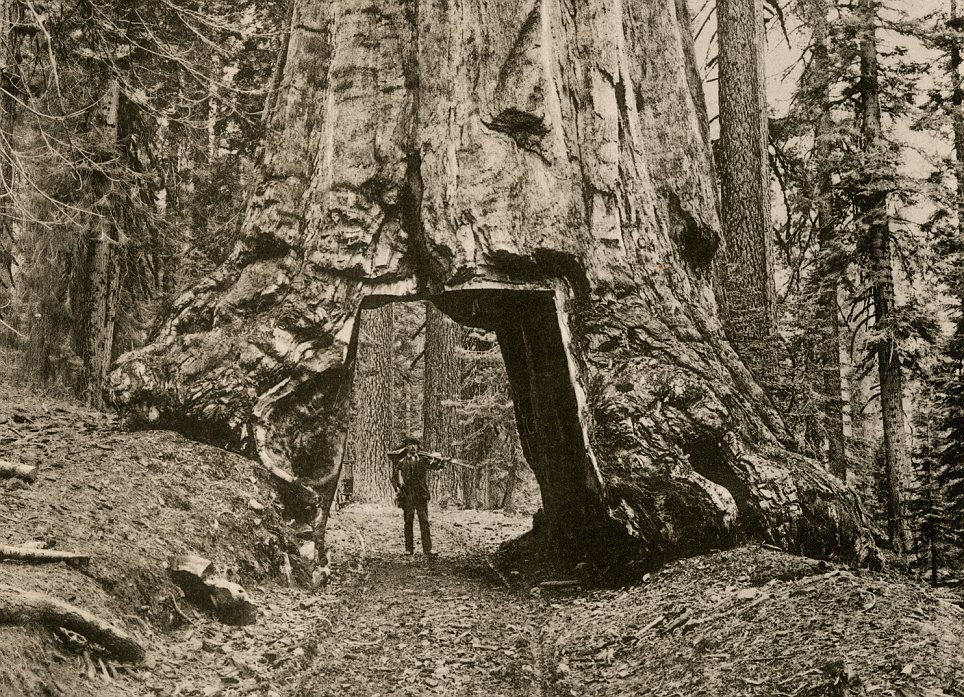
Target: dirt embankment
<point>130,501</point>
<point>751,621</point>
<point>755,621</point>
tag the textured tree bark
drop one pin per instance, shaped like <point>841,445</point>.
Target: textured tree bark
<point>375,392</point>
<point>873,209</point>
<point>98,289</point>
<point>539,169</point>
<point>747,274</point>
<point>441,430</point>
<point>828,337</point>
<point>11,86</point>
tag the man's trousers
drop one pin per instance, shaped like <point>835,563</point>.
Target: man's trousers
<point>422,510</point>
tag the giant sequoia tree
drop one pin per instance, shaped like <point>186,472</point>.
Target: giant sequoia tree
<point>540,169</point>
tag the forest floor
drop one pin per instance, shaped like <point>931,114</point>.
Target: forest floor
<point>749,621</point>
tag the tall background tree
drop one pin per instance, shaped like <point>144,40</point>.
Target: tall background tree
<point>113,103</point>
<point>749,296</point>
<point>374,393</point>
<point>444,383</point>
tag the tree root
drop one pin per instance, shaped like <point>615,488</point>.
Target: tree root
<point>19,607</point>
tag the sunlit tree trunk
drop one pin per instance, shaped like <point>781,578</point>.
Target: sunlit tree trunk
<point>441,431</point>
<point>747,271</point>
<point>872,206</point>
<point>374,388</point>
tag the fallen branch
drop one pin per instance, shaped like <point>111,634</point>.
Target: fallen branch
<point>19,607</point>
<point>559,585</point>
<point>42,556</point>
<point>501,575</point>
<point>651,625</point>
<point>13,329</point>
<point>9,470</point>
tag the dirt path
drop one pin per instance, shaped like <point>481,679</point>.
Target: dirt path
<point>387,624</point>
<point>410,626</point>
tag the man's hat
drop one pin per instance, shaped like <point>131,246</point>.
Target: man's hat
<point>411,440</point>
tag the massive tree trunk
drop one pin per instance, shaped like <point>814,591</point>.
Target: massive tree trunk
<point>828,334</point>
<point>747,271</point>
<point>441,431</point>
<point>98,277</point>
<point>374,392</point>
<point>538,169</point>
<point>872,206</point>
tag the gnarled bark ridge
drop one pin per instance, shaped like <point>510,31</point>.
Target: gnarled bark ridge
<point>540,169</point>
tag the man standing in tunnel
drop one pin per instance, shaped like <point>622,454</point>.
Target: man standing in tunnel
<point>409,469</point>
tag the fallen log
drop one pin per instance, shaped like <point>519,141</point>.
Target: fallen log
<point>9,470</point>
<point>42,556</point>
<point>19,607</point>
<point>227,601</point>
<point>559,585</point>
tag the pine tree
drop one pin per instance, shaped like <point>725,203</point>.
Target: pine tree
<point>490,439</point>
<point>951,403</point>
<point>871,203</point>
<point>847,240</point>
<point>13,88</point>
<point>828,335</point>
<point>442,431</point>
<point>747,271</point>
<point>374,392</point>
<point>103,197</point>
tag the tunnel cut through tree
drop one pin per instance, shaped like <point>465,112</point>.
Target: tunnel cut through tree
<point>466,154</point>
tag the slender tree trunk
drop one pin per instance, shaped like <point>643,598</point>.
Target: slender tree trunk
<point>441,429</point>
<point>957,115</point>
<point>747,269</point>
<point>374,431</point>
<point>828,336</point>
<point>940,487</point>
<point>511,478</point>
<point>99,287</point>
<point>10,17</point>
<point>872,206</point>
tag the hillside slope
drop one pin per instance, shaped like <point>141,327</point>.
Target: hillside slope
<point>750,621</point>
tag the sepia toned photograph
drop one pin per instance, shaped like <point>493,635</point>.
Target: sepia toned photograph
<point>481,348</point>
